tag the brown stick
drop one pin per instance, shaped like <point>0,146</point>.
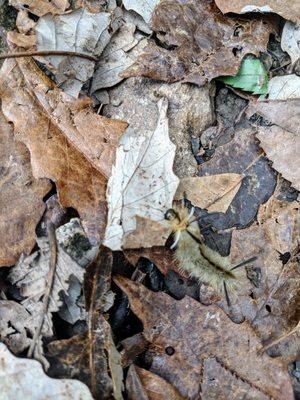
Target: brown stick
<point>20,54</point>
<point>48,288</point>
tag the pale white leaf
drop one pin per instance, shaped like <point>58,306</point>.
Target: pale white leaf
<point>79,31</point>
<point>142,181</point>
<point>284,87</point>
<point>142,7</point>
<point>121,52</point>
<point>290,40</point>
<point>213,192</point>
<point>30,276</point>
<point>21,378</point>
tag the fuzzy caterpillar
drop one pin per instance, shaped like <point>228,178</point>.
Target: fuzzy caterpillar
<point>199,260</point>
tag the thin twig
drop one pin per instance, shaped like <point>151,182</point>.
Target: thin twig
<point>20,54</point>
<point>281,338</point>
<point>48,288</point>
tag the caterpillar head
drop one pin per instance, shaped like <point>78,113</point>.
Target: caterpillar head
<point>179,219</point>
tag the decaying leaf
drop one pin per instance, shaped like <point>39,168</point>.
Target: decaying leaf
<point>258,184</point>
<point>190,112</point>
<point>186,335</point>
<point>79,184</point>
<point>290,40</point>
<point>142,181</point>
<point>142,384</point>
<point>213,192</point>
<point>121,52</point>
<point>284,87</point>
<point>21,198</point>
<point>80,31</point>
<point>203,43</point>
<point>282,148</point>
<point>288,9</point>
<point>142,7</point>
<point>94,136</point>
<point>98,363</point>
<point>23,378</point>
<point>41,7</point>
<point>269,295</point>
<point>30,276</point>
<point>282,142</point>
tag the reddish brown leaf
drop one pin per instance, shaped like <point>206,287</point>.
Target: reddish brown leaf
<point>79,184</point>
<point>203,43</point>
<point>21,199</point>
<point>94,136</point>
<point>144,385</point>
<point>185,335</point>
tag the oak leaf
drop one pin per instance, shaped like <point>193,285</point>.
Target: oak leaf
<point>186,335</point>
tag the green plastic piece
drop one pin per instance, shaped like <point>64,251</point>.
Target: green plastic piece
<point>252,77</point>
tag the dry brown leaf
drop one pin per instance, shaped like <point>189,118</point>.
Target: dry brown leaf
<point>92,356</point>
<point>21,39</point>
<point>23,22</point>
<point>288,9</point>
<point>79,184</point>
<point>213,192</point>
<point>283,149</point>
<point>41,7</point>
<point>96,137</point>
<point>285,114</point>
<point>185,335</point>
<point>268,296</point>
<point>146,233</point>
<point>21,198</point>
<point>162,257</point>
<point>203,43</point>
<point>144,385</point>
<point>281,143</point>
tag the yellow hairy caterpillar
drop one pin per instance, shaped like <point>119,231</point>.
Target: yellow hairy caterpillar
<point>196,258</point>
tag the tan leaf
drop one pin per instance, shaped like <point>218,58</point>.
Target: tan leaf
<point>282,142</point>
<point>288,9</point>
<point>283,149</point>
<point>79,184</point>
<point>21,197</point>
<point>144,385</point>
<point>213,192</point>
<point>185,335</point>
<point>41,7</point>
<point>206,44</point>
<point>96,137</point>
<point>146,233</point>
<point>21,40</point>
<point>26,378</point>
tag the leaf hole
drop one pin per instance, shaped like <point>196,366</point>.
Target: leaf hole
<point>237,50</point>
<point>170,350</point>
<point>268,308</point>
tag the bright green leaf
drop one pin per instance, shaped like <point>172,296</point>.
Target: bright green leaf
<point>252,77</point>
